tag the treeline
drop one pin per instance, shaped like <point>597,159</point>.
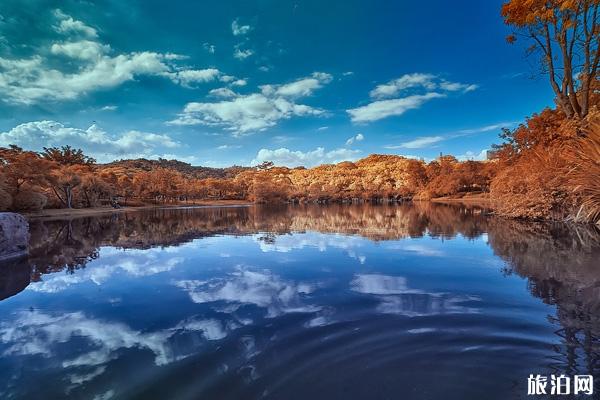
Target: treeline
<point>67,178</point>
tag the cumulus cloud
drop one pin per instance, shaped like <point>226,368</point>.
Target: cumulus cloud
<point>91,64</point>
<point>238,29</point>
<point>408,92</point>
<point>222,92</point>
<point>69,25</point>
<point>243,114</point>
<point>191,76</point>
<point>93,140</point>
<point>358,138</point>
<point>290,158</point>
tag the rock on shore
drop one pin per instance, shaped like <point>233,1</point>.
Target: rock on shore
<point>14,235</point>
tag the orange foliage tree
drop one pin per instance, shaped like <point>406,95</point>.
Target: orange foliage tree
<point>566,34</point>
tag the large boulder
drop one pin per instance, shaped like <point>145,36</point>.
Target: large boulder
<point>14,235</point>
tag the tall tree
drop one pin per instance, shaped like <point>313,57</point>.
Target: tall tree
<point>23,168</point>
<point>66,155</point>
<point>566,33</point>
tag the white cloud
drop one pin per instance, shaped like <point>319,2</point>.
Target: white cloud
<point>472,156</point>
<point>242,54</point>
<point>226,78</point>
<point>386,108</point>
<point>418,143</point>
<point>425,141</point>
<point>69,25</point>
<point>455,86</point>
<point>392,88</point>
<point>426,82</point>
<point>239,30</point>
<point>239,82</point>
<point>228,146</point>
<point>290,158</point>
<point>190,76</point>
<point>92,66</point>
<point>488,128</point>
<point>322,128</point>
<point>109,108</point>
<point>299,88</point>
<point>242,114</point>
<point>358,138</point>
<point>80,50</point>
<point>93,140</point>
<point>387,102</point>
<point>222,92</point>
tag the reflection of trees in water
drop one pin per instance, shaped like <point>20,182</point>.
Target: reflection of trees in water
<point>70,244</point>
<point>559,261</point>
<point>562,266</point>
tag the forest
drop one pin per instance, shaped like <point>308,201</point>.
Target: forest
<point>546,168</point>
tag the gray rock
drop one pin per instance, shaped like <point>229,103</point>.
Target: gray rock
<point>14,235</point>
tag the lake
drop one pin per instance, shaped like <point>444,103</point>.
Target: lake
<point>423,301</point>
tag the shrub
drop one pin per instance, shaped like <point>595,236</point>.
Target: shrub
<point>533,187</point>
<point>29,200</point>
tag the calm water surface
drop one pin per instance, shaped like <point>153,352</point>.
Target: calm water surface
<point>338,302</point>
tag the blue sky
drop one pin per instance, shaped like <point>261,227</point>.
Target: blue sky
<point>240,82</point>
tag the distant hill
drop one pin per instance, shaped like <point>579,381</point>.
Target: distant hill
<point>180,166</point>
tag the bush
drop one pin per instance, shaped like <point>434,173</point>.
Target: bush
<point>533,187</point>
<point>29,201</point>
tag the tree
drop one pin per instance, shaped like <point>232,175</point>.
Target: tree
<point>566,33</point>
<point>93,188</point>
<point>23,168</point>
<point>66,155</point>
<point>64,180</point>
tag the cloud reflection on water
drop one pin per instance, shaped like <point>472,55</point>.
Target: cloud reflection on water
<point>260,288</point>
<point>396,297</point>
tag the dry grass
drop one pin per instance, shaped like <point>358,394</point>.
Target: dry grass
<point>584,174</point>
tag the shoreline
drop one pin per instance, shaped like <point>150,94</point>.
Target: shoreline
<point>61,213</point>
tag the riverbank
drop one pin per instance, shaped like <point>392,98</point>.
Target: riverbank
<point>89,212</point>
